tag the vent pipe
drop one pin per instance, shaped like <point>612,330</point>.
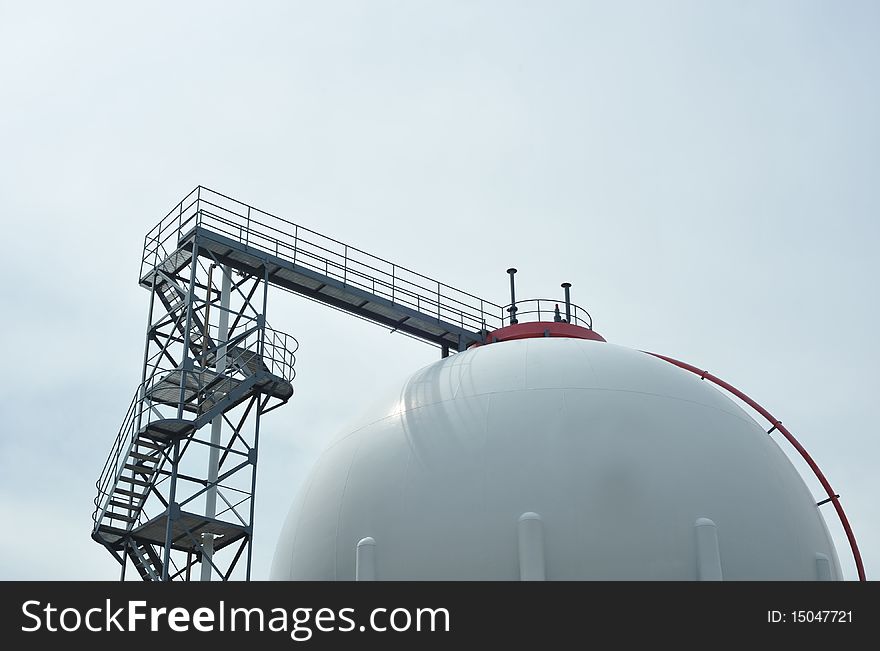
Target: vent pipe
<point>566,287</point>
<point>512,308</point>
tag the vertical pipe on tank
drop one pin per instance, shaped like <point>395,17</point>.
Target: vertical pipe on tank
<point>708,553</point>
<point>566,287</point>
<point>530,531</point>
<point>823,567</point>
<point>365,561</point>
<point>512,309</point>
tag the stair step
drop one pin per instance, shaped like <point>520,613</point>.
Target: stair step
<point>142,570</point>
<point>154,557</point>
<point>119,516</point>
<point>142,456</point>
<point>132,480</point>
<point>127,493</point>
<point>144,573</point>
<point>166,430</point>
<point>113,531</point>
<point>144,470</point>
<point>149,443</point>
<point>131,506</point>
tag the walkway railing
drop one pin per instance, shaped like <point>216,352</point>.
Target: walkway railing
<point>307,248</point>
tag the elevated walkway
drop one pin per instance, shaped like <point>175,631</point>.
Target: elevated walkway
<point>307,263</point>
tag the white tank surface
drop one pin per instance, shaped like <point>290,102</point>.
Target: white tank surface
<point>555,458</point>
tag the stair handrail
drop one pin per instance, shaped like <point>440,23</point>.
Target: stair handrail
<point>109,474</point>
<point>278,353</point>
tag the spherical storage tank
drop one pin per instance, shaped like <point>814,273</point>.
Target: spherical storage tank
<point>552,454</point>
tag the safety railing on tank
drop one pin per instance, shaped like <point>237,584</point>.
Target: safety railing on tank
<point>307,248</point>
<point>546,309</point>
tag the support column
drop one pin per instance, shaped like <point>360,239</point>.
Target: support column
<point>708,553</point>
<point>173,509</point>
<point>252,454</point>
<point>823,568</point>
<point>530,532</point>
<point>365,562</point>
<point>217,423</point>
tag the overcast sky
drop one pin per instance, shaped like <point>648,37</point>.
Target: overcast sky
<point>705,174</point>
